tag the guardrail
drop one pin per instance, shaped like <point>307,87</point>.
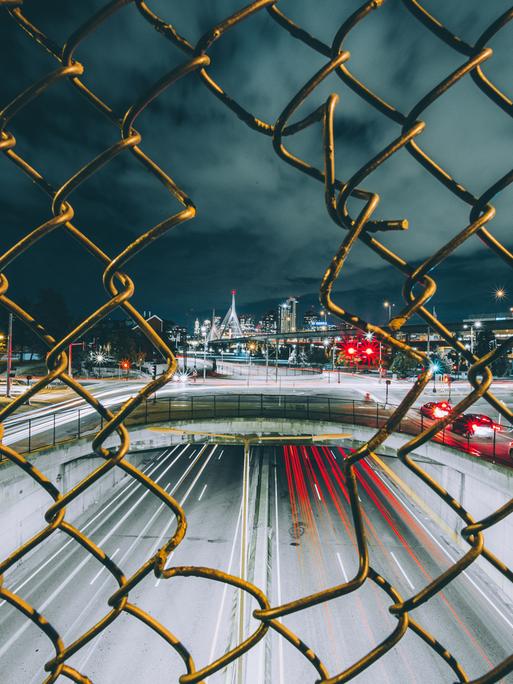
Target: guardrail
<point>61,426</point>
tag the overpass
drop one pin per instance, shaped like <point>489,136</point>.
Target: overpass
<point>280,517</point>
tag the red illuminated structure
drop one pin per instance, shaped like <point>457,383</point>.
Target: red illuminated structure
<point>358,350</point>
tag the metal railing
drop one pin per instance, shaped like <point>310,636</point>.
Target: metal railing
<point>419,288</point>
<point>62,426</point>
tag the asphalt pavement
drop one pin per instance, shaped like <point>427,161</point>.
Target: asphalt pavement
<point>284,522</point>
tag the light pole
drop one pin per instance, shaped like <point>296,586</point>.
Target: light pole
<point>324,319</point>
<point>369,336</point>
<point>266,362</point>
<point>434,369</point>
<point>473,336</point>
<point>251,347</point>
<point>99,358</point>
<point>9,358</point>
<point>204,333</point>
<point>499,294</point>
<point>387,385</point>
<point>326,344</point>
<point>389,306</point>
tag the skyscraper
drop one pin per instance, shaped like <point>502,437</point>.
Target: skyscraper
<point>269,322</point>
<point>287,315</point>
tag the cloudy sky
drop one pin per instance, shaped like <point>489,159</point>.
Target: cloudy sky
<point>261,225</point>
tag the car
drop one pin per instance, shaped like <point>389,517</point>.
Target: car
<point>435,409</point>
<point>474,425</point>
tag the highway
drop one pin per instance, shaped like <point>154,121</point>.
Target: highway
<point>296,539</point>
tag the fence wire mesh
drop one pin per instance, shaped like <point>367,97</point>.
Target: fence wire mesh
<point>419,287</point>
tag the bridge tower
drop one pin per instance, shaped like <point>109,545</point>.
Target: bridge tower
<point>213,333</point>
<point>230,327</point>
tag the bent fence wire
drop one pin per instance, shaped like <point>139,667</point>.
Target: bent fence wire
<point>419,287</point>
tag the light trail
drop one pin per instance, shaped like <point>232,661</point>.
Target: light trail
<point>444,550</point>
<point>429,577</point>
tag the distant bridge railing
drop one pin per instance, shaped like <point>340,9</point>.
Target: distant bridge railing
<point>59,427</point>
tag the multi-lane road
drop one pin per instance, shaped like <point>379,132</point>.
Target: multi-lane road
<point>284,522</point>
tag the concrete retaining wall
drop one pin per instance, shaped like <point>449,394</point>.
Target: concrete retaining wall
<point>23,503</point>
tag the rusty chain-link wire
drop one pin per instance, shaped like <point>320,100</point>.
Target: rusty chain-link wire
<point>419,287</point>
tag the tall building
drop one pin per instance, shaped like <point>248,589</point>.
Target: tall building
<point>287,315</point>
<point>268,324</point>
<point>247,324</point>
<point>310,319</point>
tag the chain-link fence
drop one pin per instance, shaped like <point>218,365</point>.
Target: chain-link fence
<point>419,287</point>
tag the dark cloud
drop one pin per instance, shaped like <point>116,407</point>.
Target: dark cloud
<point>261,225</point>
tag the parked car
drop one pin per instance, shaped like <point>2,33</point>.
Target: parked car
<point>435,409</point>
<point>474,424</point>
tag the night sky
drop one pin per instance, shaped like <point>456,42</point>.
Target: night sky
<point>261,225</point>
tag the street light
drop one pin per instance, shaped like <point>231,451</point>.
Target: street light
<point>204,334</point>
<point>125,365</point>
<point>389,306</point>
<point>251,347</point>
<point>499,293</point>
<point>434,368</point>
<point>99,357</point>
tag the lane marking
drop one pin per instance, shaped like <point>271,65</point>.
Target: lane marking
<point>346,578</point>
<point>402,570</point>
<point>79,567</point>
<point>317,492</point>
<point>202,492</point>
<point>133,484</point>
<point>103,567</point>
<point>219,457</point>
<point>225,588</point>
<point>278,571</point>
<point>453,560</point>
<point>186,495</point>
<point>239,669</point>
<point>123,558</point>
